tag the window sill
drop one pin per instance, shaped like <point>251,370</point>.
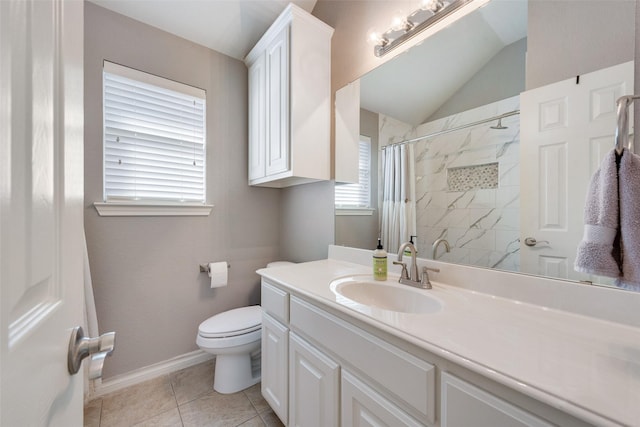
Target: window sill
<point>151,209</point>
<point>355,211</point>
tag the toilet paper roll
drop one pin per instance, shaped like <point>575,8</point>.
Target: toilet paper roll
<point>218,274</point>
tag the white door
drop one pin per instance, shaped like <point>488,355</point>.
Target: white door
<point>41,209</point>
<point>567,128</point>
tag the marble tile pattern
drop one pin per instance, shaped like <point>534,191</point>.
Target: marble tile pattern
<point>466,178</point>
<point>182,399</point>
<point>480,224</point>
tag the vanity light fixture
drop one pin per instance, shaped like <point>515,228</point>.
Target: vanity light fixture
<point>402,29</point>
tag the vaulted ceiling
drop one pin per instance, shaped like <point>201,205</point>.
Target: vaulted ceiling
<point>231,27</point>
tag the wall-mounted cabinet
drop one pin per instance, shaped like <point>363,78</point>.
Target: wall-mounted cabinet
<point>290,102</point>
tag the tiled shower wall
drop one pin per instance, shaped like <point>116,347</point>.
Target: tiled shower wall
<point>481,223</point>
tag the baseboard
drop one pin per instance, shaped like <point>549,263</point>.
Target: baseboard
<point>101,388</point>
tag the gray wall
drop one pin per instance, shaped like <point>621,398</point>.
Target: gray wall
<point>351,54</point>
<point>569,38</point>
<point>363,231</point>
<point>502,77</point>
<point>145,269</point>
<point>306,222</point>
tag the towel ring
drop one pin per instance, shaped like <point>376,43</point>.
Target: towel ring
<point>622,130</point>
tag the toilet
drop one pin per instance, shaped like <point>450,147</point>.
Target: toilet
<point>234,337</point>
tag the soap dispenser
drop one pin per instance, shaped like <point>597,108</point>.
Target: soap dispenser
<point>407,252</point>
<point>380,262</point>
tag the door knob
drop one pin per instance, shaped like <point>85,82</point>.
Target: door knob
<point>81,347</point>
<point>531,241</point>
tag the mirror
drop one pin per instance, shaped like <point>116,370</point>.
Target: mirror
<point>469,185</point>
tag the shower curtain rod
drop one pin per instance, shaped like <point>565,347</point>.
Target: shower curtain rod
<point>442,132</point>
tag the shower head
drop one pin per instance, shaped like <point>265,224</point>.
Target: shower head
<point>499,125</point>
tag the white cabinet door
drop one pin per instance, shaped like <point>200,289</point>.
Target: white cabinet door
<point>275,364</point>
<point>257,118</point>
<point>277,61</point>
<point>465,405</point>
<point>313,386</point>
<point>363,407</point>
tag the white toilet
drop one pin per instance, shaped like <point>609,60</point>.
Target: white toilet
<point>234,337</point>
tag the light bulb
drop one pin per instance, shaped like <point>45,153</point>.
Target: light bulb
<point>432,5</point>
<point>374,38</point>
<point>398,23</point>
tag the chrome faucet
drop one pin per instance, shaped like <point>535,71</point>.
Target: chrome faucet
<point>435,247</point>
<point>414,279</point>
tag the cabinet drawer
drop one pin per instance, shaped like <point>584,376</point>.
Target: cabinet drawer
<point>409,380</point>
<point>275,301</point>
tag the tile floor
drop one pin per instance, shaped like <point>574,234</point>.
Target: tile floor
<point>183,399</point>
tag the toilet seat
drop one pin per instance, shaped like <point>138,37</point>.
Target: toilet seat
<point>232,323</point>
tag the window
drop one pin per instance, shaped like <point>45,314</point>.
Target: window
<point>154,140</point>
<point>356,198</point>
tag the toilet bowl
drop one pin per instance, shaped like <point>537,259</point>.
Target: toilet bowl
<point>234,336</point>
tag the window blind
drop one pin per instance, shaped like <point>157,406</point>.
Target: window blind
<point>154,138</point>
<point>358,195</point>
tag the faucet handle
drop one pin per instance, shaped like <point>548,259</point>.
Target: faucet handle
<point>404,274</point>
<point>426,283</point>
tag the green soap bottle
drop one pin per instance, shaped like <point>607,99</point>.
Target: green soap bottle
<point>379,263</point>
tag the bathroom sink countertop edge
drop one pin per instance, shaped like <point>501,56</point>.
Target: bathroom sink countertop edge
<point>584,366</point>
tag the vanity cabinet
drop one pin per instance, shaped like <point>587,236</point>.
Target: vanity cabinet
<point>319,368</point>
<point>289,73</point>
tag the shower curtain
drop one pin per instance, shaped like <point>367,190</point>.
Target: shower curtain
<point>398,201</point>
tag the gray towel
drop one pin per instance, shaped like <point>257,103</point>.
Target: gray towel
<point>629,177</point>
<point>597,253</point>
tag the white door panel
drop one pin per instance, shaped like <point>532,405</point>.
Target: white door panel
<point>567,128</point>
<point>41,196</point>
<point>277,62</point>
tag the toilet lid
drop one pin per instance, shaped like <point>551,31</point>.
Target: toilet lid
<point>231,323</point>
<point>279,264</point>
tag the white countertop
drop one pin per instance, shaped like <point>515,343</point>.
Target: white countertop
<point>587,367</point>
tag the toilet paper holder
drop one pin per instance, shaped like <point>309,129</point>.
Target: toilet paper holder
<point>204,268</point>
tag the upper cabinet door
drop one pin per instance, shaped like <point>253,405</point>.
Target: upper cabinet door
<point>277,58</point>
<point>257,118</point>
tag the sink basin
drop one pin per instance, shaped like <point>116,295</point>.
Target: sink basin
<point>388,295</point>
